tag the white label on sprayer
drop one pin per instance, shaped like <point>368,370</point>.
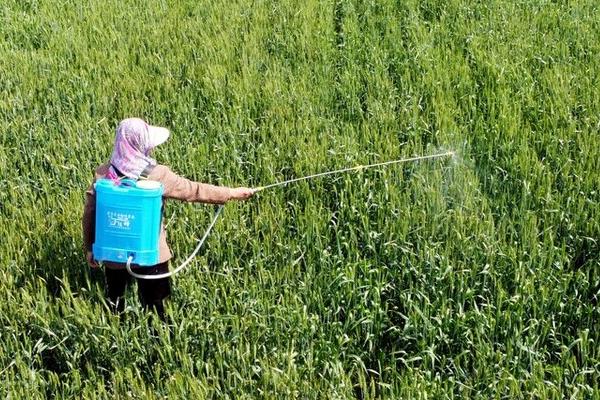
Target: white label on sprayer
<point>119,220</point>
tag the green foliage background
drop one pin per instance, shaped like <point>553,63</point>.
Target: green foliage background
<point>472,277</point>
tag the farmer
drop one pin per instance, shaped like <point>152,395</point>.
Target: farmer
<point>130,158</point>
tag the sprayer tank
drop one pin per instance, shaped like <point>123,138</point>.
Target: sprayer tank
<point>128,217</point>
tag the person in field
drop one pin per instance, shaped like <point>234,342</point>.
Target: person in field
<point>134,142</point>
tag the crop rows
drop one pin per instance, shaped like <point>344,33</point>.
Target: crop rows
<point>475,276</point>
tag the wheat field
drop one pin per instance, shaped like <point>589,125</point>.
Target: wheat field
<point>475,276</point>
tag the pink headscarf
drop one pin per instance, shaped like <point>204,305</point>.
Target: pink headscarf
<point>133,142</point>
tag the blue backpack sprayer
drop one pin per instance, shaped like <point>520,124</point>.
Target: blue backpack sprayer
<point>128,218</point>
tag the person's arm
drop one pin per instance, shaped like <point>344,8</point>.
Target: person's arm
<point>88,224</point>
<point>180,188</point>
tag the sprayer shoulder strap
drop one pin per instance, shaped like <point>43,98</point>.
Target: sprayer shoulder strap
<point>147,171</point>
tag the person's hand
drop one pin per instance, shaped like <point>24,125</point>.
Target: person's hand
<point>89,257</point>
<point>242,193</point>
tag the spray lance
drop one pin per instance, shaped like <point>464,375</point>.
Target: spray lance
<point>128,218</point>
